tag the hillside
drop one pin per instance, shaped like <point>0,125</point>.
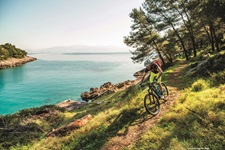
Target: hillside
<point>10,56</point>
<point>10,51</point>
<point>193,117</point>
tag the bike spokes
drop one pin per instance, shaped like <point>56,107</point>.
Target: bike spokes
<point>152,104</point>
<point>165,91</point>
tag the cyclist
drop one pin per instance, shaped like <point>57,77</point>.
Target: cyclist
<point>155,73</point>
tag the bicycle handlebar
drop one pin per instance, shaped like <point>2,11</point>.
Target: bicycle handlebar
<point>149,84</point>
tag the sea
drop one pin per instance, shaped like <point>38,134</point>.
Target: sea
<point>55,77</point>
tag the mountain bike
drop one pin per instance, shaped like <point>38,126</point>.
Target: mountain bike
<point>151,99</point>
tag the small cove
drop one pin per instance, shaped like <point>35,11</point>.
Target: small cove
<point>57,77</point>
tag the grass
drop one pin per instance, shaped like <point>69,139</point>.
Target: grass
<point>197,120</point>
<point>112,114</point>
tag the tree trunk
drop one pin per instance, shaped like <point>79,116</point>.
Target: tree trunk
<point>160,56</point>
<point>182,43</point>
<point>209,37</point>
<point>201,43</point>
<point>215,38</point>
<point>194,45</point>
<point>168,57</point>
<point>190,29</point>
<point>159,53</point>
<point>212,39</point>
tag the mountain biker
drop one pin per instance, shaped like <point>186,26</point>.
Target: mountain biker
<point>155,73</point>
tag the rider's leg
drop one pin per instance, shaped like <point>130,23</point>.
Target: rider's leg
<point>160,85</point>
<point>152,78</point>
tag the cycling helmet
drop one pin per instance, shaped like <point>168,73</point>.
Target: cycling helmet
<point>147,62</point>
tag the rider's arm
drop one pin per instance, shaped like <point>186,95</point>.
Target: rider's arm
<point>160,72</point>
<point>142,79</point>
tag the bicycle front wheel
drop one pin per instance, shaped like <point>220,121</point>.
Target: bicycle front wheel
<point>152,104</point>
<point>165,91</point>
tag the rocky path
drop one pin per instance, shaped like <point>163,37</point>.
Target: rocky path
<point>134,132</point>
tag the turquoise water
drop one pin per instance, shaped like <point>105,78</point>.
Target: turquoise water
<point>57,77</point>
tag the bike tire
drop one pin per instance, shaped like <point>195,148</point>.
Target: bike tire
<point>151,103</point>
<point>165,91</point>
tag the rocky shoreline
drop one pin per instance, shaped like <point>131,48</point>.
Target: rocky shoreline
<point>95,93</point>
<point>13,62</point>
<point>107,88</point>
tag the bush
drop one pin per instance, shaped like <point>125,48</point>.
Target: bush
<point>199,85</point>
<point>8,50</point>
<point>218,79</point>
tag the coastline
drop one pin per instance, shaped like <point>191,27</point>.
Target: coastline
<point>105,88</point>
<point>13,62</point>
<point>95,92</point>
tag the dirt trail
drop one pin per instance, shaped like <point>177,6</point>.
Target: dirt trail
<point>134,132</point>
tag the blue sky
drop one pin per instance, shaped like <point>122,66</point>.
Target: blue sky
<point>38,24</point>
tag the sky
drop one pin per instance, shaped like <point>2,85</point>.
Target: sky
<point>39,24</point>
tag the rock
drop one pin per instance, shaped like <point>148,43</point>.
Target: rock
<point>120,85</point>
<point>94,89</point>
<point>85,96</point>
<point>71,104</point>
<point>106,85</point>
<point>77,123</point>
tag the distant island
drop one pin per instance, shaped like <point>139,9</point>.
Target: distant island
<point>82,49</point>
<point>10,56</point>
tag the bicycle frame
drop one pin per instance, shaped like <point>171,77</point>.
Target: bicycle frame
<point>152,89</point>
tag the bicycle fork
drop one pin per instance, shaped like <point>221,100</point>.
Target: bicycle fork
<point>150,93</point>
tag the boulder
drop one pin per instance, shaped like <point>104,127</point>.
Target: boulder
<point>71,104</point>
<point>85,96</point>
<point>106,85</point>
<point>77,123</point>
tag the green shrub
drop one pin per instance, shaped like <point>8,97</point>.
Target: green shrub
<point>8,51</point>
<point>218,78</point>
<point>199,85</point>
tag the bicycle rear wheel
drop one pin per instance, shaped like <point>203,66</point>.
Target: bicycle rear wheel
<point>165,91</point>
<point>152,104</point>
